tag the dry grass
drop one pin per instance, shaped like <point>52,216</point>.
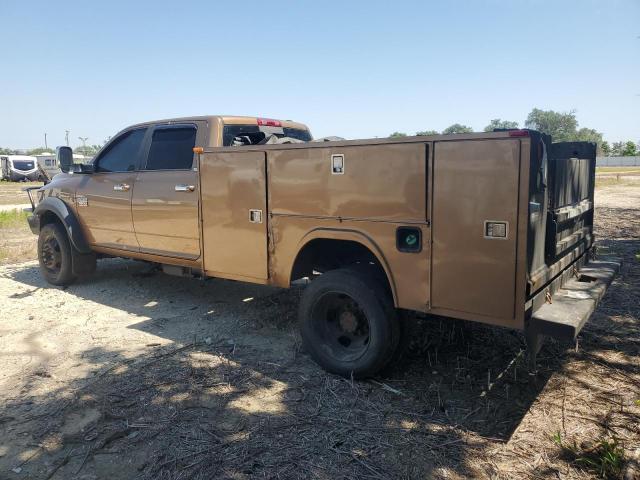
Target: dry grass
<point>246,402</point>
<point>631,170</point>
<point>17,243</point>
<point>11,192</point>
<point>620,181</point>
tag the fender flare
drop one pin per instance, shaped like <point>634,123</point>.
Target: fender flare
<point>68,219</point>
<point>349,235</point>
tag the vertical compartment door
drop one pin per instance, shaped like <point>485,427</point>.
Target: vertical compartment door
<point>234,214</point>
<point>474,226</point>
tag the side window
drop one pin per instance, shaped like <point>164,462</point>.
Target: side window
<point>172,148</point>
<point>122,155</point>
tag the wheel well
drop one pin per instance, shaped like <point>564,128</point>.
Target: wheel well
<point>323,254</point>
<point>49,217</point>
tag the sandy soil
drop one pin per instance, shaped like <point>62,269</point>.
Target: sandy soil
<point>135,374</point>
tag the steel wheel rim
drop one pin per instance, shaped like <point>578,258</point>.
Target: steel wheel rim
<point>51,255</point>
<point>341,325</point>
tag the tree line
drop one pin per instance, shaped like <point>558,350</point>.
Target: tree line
<point>88,150</point>
<point>562,126</point>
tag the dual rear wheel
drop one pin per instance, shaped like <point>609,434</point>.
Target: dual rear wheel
<point>348,322</point>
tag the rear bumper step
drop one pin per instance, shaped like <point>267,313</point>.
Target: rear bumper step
<point>573,303</point>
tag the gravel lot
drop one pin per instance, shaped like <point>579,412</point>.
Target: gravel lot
<point>136,374</point>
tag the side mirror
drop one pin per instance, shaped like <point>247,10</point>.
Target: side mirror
<point>64,158</point>
<point>83,168</point>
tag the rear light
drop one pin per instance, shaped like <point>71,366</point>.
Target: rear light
<point>268,122</point>
<point>518,133</point>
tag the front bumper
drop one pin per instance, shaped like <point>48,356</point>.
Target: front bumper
<point>34,223</point>
<point>565,306</point>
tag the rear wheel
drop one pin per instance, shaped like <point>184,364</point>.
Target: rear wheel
<point>347,326</point>
<point>54,255</point>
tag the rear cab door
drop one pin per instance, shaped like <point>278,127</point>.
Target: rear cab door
<point>165,198</point>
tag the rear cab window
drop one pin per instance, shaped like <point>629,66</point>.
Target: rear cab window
<point>172,148</point>
<point>254,134</point>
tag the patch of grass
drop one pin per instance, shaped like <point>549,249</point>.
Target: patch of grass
<point>12,192</point>
<point>604,457</point>
<point>614,181</point>
<point>13,218</point>
<point>617,169</point>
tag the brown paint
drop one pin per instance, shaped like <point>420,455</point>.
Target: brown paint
<point>446,186</point>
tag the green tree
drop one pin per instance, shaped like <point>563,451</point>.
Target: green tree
<point>629,149</point>
<point>38,151</point>
<point>397,135</point>
<point>88,151</point>
<point>457,128</point>
<point>590,135</point>
<point>605,148</point>
<point>616,149</point>
<point>497,123</point>
<point>562,126</point>
<point>427,132</point>
<point>7,151</point>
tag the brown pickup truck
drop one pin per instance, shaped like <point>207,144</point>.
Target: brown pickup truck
<point>492,227</point>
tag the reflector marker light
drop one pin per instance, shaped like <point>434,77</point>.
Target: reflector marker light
<point>269,122</point>
<point>518,133</point>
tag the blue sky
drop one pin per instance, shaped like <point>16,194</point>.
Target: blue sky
<point>354,69</point>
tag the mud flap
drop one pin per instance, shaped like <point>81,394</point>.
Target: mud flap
<point>82,263</point>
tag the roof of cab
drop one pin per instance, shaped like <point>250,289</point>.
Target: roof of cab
<point>227,119</point>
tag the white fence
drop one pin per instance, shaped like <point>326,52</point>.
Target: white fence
<point>618,161</point>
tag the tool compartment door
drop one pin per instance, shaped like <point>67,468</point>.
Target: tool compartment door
<point>475,201</point>
<point>234,214</point>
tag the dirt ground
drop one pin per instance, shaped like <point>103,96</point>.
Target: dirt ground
<point>136,374</point>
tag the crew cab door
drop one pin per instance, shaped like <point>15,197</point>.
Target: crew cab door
<point>103,198</point>
<point>165,198</point>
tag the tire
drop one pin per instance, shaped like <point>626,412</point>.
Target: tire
<point>399,327</point>
<point>54,255</point>
<point>347,323</point>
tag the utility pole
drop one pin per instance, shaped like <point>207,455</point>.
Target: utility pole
<point>66,136</point>
<point>84,144</point>
<point>45,141</point>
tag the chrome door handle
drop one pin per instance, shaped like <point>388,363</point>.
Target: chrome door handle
<point>185,188</point>
<point>121,187</point>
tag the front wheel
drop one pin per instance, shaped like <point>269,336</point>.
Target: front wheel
<point>54,255</point>
<point>346,325</point>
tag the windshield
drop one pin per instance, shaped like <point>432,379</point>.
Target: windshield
<point>231,131</point>
<point>23,164</point>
